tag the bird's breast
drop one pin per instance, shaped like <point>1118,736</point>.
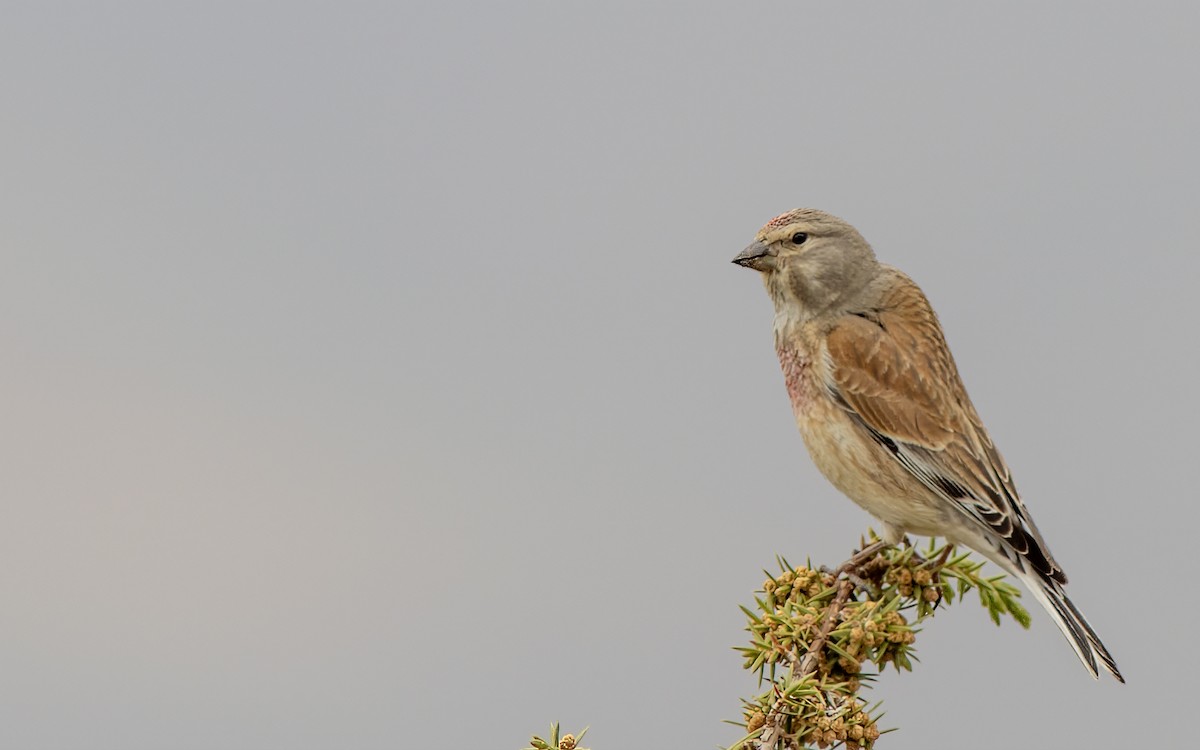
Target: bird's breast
<point>798,377</point>
<point>844,452</point>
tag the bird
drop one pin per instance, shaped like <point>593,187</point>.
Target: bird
<point>883,411</point>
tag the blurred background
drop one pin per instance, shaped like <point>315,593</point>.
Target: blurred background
<point>375,375</point>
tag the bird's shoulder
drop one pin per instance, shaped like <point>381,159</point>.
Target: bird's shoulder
<point>892,324</point>
<point>888,359</point>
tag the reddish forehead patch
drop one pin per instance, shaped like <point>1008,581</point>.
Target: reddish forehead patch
<point>780,220</point>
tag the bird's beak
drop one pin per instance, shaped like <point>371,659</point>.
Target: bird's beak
<point>757,256</point>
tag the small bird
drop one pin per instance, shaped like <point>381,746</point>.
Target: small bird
<point>884,414</point>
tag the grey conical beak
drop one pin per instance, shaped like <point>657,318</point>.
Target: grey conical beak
<point>757,256</point>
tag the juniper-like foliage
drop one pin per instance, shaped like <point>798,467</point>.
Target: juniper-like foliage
<point>819,637</point>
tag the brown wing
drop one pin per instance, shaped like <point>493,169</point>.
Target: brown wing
<point>892,369</point>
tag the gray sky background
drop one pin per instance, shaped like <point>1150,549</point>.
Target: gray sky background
<point>375,375</point>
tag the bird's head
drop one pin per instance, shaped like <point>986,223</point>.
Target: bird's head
<point>810,260</point>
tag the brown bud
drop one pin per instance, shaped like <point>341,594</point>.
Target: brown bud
<point>755,721</point>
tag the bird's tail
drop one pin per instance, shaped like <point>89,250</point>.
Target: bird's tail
<point>1070,621</point>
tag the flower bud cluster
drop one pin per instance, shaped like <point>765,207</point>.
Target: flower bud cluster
<point>850,725</point>
<point>789,616</point>
<point>911,578</point>
<point>813,720</point>
<point>796,585</point>
<point>566,742</point>
<point>881,636</point>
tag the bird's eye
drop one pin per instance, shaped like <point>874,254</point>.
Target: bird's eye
<point>798,238</point>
